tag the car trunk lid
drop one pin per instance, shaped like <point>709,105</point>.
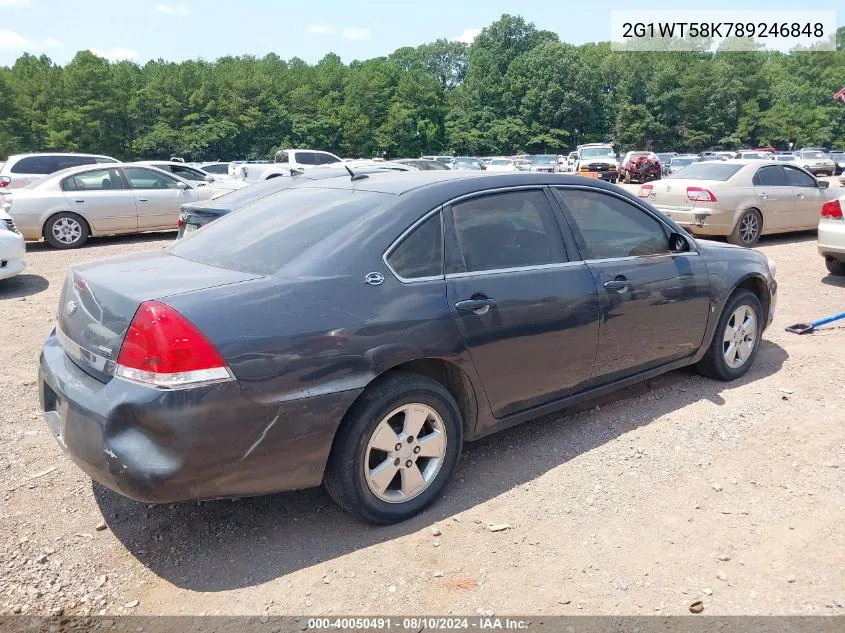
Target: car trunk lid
<point>671,194</point>
<point>99,300</point>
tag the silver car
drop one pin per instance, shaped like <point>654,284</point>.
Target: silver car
<point>71,205</point>
<point>816,162</point>
<point>740,199</point>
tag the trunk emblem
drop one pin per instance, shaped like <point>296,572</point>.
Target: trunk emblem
<point>70,307</point>
<point>374,279</point>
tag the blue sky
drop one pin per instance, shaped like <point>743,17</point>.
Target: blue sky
<point>355,29</point>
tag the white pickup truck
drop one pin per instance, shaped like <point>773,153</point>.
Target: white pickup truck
<point>286,161</point>
<point>596,160</point>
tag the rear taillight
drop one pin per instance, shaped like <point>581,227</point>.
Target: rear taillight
<point>5,181</point>
<point>832,209</point>
<point>645,191</point>
<point>162,348</point>
<point>699,194</point>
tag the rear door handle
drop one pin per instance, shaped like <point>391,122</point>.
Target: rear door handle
<point>143,200</point>
<point>478,306</point>
<point>79,201</point>
<point>762,195</point>
<point>620,285</point>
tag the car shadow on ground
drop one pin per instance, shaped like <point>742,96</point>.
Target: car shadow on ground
<point>23,285</point>
<point>829,280</point>
<point>109,240</point>
<point>224,545</point>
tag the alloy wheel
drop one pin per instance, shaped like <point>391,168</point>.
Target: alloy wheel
<point>740,337</point>
<point>67,230</point>
<point>405,453</point>
<point>749,227</point>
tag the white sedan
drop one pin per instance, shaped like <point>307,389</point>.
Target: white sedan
<point>12,247</point>
<point>501,164</point>
<point>832,236</point>
<point>74,204</point>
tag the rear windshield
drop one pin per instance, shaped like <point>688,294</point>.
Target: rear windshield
<point>813,155</point>
<point>707,171</point>
<point>544,159</point>
<point>273,232</point>
<point>242,197</point>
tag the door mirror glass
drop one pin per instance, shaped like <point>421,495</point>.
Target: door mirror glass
<point>209,178</point>
<point>678,243</point>
<point>823,184</point>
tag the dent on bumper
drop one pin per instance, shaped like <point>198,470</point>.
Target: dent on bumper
<point>163,446</point>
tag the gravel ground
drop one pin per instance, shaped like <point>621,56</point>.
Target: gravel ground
<point>678,490</point>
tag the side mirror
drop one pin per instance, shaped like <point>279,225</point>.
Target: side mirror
<point>181,185</point>
<point>823,184</point>
<point>209,178</point>
<point>678,243</point>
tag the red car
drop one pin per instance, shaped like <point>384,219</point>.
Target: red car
<point>640,167</point>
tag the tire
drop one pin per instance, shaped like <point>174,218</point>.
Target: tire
<point>66,230</point>
<point>834,266</point>
<point>714,364</point>
<point>745,233</point>
<point>352,454</point>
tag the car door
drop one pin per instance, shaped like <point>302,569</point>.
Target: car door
<point>158,197</point>
<point>527,313</point>
<point>103,198</point>
<point>808,198</point>
<point>655,303</point>
<point>775,197</point>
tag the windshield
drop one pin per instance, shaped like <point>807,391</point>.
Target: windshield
<point>682,162</point>
<point>813,155</point>
<point>597,152</point>
<point>501,161</point>
<point>837,156</point>
<point>275,231</point>
<point>544,159</point>
<point>707,171</point>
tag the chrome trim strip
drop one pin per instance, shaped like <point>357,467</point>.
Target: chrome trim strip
<point>77,352</point>
<point>500,271</point>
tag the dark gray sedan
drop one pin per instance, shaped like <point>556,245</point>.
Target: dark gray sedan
<point>355,332</point>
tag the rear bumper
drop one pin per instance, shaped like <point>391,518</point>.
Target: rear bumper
<point>701,221</point>
<point>12,252</point>
<point>163,446</point>
<point>832,239</point>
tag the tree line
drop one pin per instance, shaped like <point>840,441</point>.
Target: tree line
<point>515,88</point>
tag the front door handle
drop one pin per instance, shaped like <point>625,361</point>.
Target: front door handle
<point>79,201</point>
<point>800,195</point>
<point>620,285</point>
<point>762,196</point>
<point>143,200</point>
<point>478,306</point>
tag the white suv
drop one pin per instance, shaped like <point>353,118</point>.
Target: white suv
<point>24,169</point>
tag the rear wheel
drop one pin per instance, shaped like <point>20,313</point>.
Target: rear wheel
<point>396,449</point>
<point>66,230</point>
<point>748,229</point>
<point>834,266</point>
<point>736,339</point>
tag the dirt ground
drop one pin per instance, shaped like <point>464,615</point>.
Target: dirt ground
<point>678,490</point>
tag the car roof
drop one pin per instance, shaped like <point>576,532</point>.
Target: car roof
<point>27,155</point>
<point>149,163</point>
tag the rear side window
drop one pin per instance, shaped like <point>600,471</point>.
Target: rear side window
<point>41,165</point>
<point>506,230</point>
<point>708,171</point>
<point>276,231</point>
<point>219,168</point>
<point>325,159</point>
<point>770,177</point>
<point>611,227</point>
<point>420,253</point>
<point>282,157</point>
<point>95,180</point>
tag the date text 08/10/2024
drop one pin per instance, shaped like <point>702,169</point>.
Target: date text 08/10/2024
<point>417,623</point>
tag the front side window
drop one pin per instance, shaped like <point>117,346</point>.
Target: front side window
<point>305,158</point>
<point>218,168</point>
<point>420,253</point>
<point>142,178</point>
<point>95,180</point>
<point>797,178</point>
<point>611,227</point>
<point>770,176</point>
<point>187,173</point>
<point>325,159</point>
<point>506,230</point>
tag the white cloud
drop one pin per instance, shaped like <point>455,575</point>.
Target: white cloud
<point>52,42</point>
<point>321,29</point>
<point>357,34</point>
<point>180,10</point>
<point>13,3</point>
<point>468,36</point>
<point>114,54</point>
<point>11,41</point>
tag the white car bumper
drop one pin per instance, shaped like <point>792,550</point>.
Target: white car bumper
<point>12,251</point>
<point>832,238</point>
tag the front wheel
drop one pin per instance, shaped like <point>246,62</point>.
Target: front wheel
<point>834,266</point>
<point>736,340</point>
<point>396,449</point>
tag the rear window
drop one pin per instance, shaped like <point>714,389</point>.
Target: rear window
<point>274,232</point>
<point>707,171</point>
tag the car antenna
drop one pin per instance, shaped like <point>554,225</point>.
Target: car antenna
<point>355,176</point>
